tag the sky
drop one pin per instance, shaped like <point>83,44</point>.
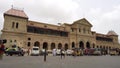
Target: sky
<point>102,14</point>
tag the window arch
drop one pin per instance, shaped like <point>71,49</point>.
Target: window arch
<point>93,45</point>
<point>52,46</point>
<point>81,45</point>
<point>87,45</point>
<point>37,44</point>
<point>59,46</point>
<point>79,30</point>
<point>28,44</point>
<point>66,46</point>
<point>13,24</point>
<point>45,45</point>
<point>73,45</point>
<point>17,25</point>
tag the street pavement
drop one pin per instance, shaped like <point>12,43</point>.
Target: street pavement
<point>57,62</point>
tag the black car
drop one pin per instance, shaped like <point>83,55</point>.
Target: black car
<point>13,51</point>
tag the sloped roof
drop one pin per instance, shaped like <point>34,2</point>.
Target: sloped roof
<point>111,33</point>
<point>83,21</point>
<point>16,12</point>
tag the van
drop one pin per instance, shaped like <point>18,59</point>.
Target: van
<point>35,51</point>
<point>97,52</point>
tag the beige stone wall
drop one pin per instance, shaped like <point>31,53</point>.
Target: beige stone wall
<point>82,32</point>
<point>14,38</point>
<point>8,20</point>
<point>48,39</point>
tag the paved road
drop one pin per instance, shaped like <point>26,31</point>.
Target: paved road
<point>57,62</point>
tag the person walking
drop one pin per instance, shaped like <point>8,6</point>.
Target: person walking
<point>28,51</point>
<point>1,50</point>
<point>54,52</point>
<point>62,52</point>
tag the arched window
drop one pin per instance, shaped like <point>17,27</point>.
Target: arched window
<point>73,45</point>
<point>66,46</point>
<point>79,30</point>
<point>100,46</point>
<point>28,44</point>
<point>87,45</point>
<point>13,24</point>
<point>45,45</point>
<point>93,45</point>
<point>52,46</point>
<point>29,38</point>
<point>17,25</point>
<point>81,45</point>
<point>37,44</point>
<point>59,46</point>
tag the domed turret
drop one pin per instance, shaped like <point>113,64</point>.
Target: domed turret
<point>112,33</point>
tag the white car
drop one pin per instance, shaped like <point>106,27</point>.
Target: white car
<point>35,51</point>
<point>58,52</point>
<point>69,52</point>
<point>42,52</point>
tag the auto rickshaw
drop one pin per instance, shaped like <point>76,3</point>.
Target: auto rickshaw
<point>113,52</point>
<point>77,52</point>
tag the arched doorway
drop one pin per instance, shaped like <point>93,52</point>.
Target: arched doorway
<point>87,45</point>
<point>93,45</point>
<point>59,46</point>
<point>52,46</point>
<point>37,44</point>
<point>73,45</point>
<point>101,47</point>
<point>81,45</point>
<point>97,46</point>
<point>45,45</point>
<point>66,46</point>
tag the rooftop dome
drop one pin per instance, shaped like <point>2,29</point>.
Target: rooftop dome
<point>111,33</point>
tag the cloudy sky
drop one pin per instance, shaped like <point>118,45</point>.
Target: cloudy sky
<point>102,14</point>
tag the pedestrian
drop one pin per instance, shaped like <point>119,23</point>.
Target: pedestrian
<point>28,51</point>
<point>62,52</point>
<point>1,50</point>
<point>74,53</point>
<point>54,52</point>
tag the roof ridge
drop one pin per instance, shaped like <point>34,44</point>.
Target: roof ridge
<point>16,12</point>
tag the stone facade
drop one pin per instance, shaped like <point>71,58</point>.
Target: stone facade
<point>19,30</point>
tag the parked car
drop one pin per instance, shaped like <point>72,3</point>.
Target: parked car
<point>58,52</point>
<point>42,52</point>
<point>14,51</point>
<point>88,51</point>
<point>69,52</point>
<point>97,51</point>
<point>35,51</point>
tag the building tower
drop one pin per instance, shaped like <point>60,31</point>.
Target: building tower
<point>14,29</point>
